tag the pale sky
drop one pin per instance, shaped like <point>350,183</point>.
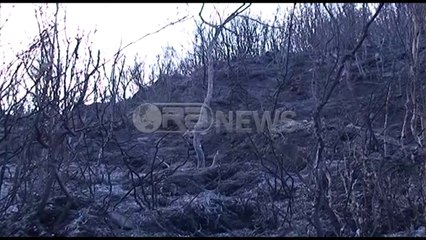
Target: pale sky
<point>109,24</point>
<point>115,22</point>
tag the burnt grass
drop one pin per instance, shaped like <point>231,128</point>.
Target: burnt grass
<point>147,184</point>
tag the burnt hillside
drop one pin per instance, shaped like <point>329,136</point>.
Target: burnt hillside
<point>348,162</point>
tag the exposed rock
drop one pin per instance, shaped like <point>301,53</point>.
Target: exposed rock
<point>121,221</point>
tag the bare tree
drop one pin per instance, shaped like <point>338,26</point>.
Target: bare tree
<point>202,120</point>
<point>323,180</point>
